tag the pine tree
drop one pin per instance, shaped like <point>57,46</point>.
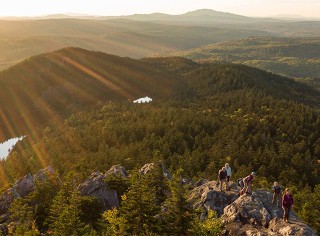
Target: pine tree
<point>65,211</point>
<point>41,199</point>
<point>177,215</point>
<point>139,208</point>
<point>23,216</point>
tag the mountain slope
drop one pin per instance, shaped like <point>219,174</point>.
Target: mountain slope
<point>56,84</point>
<point>208,79</point>
<point>69,80</point>
<point>294,57</point>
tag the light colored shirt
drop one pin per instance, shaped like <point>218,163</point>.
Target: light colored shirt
<point>228,170</point>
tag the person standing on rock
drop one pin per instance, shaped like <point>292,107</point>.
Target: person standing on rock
<point>276,193</point>
<point>287,204</point>
<point>228,170</point>
<point>222,177</point>
<point>247,182</point>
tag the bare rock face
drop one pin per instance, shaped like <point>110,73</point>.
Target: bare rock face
<point>249,210</point>
<point>97,186</point>
<point>44,174</point>
<point>148,167</point>
<point>21,188</point>
<point>247,215</point>
<point>117,170</point>
<point>207,196</point>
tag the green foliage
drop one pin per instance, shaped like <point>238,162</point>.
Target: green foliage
<point>65,212</point>
<point>292,57</point>
<point>118,183</point>
<point>210,226</point>
<point>90,211</point>
<point>23,217</point>
<point>114,223</point>
<point>41,200</point>
<point>177,216</point>
<point>139,207</point>
<point>223,113</point>
<point>307,205</point>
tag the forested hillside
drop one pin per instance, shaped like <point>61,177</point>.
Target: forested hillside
<point>202,116</point>
<point>51,86</point>
<point>293,57</point>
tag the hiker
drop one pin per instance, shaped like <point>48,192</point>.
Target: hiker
<point>287,204</point>
<point>247,181</point>
<point>276,193</point>
<point>222,178</point>
<point>228,170</point>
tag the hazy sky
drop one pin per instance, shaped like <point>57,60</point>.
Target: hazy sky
<point>310,8</point>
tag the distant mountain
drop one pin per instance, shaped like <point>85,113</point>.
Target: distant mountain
<point>124,37</point>
<point>211,15</point>
<point>198,15</point>
<point>54,85</point>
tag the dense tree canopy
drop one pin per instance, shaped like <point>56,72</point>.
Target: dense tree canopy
<point>220,113</point>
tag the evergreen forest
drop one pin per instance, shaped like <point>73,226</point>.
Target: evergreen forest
<point>201,117</point>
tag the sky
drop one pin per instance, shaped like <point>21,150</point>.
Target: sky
<point>260,8</point>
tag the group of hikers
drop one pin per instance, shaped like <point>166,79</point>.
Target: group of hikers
<point>286,201</point>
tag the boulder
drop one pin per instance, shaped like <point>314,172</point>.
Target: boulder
<point>20,189</point>
<point>44,174</point>
<point>201,182</point>
<point>24,186</point>
<point>248,215</point>
<point>97,187</point>
<point>249,210</point>
<point>117,170</point>
<point>207,196</point>
<point>260,217</point>
<point>148,167</point>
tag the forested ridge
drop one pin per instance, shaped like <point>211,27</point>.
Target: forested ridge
<point>293,57</point>
<point>218,113</point>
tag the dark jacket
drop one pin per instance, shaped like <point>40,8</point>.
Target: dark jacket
<point>287,200</point>
<point>248,179</point>
<point>276,189</point>
<point>222,174</point>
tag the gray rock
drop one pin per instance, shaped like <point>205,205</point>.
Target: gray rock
<point>208,196</point>
<point>201,182</point>
<point>259,215</point>
<point>20,189</point>
<point>117,170</point>
<point>148,167</point>
<point>44,174</point>
<point>247,215</point>
<point>97,187</point>
<point>24,186</point>
<point>248,209</point>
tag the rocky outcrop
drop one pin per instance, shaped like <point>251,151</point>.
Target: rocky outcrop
<point>44,174</point>
<point>20,189</point>
<point>117,170</point>
<point>96,186</point>
<point>148,167</point>
<point>207,196</point>
<point>248,215</point>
